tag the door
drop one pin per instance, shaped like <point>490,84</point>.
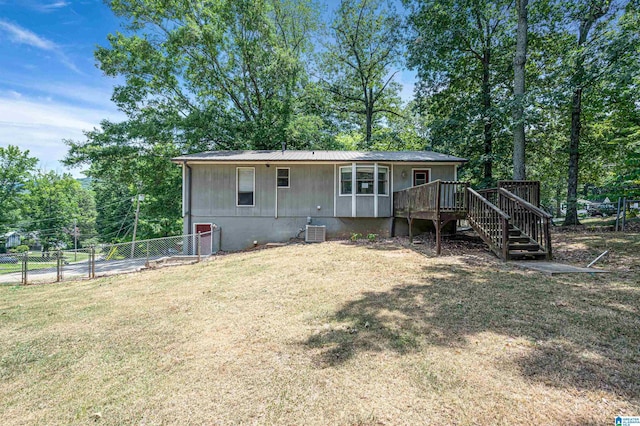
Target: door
<point>420,177</point>
<point>206,238</point>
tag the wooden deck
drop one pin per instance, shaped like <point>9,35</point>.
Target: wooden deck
<point>438,201</point>
<point>507,218</point>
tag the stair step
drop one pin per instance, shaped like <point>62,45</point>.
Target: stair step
<point>517,254</point>
<point>518,239</point>
<point>514,232</point>
<point>525,247</point>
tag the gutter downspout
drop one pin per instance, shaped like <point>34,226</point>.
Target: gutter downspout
<point>189,192</point>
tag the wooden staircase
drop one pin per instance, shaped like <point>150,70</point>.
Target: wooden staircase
<point>508,218</point>
<point>521,246</point>
<point>510,224</point>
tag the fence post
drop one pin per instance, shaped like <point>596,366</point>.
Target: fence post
<point>147,262</point>
<point>198,246</point>
<point>25,267</point>
<point>92,261</point>
<point>58,266</point>
<point>624,213</point>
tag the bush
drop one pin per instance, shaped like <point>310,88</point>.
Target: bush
<point>22,248</point>
<point>355,236</point>
<point>372,237</point>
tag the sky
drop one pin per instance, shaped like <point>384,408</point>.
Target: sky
<point>50,87</point>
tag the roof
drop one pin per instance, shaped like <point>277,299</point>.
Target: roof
<point>329,156</point>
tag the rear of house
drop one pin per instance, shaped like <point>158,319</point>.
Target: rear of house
<point>270,196</point>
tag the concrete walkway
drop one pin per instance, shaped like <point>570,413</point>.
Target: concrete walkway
<point>554,268</point>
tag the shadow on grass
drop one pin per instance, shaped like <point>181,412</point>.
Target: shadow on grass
<point>580,336</point>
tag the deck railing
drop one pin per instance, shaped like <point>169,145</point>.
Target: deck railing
<point>432,197</point>
<point>528,190</point>
<point>529,219</point>
<point>490,222</point>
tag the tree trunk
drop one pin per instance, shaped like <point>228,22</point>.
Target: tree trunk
<point>519,171</point>
<point>369,106</point>
<point>558,201</point>
<point>488,121</point>
<point>572,181</point>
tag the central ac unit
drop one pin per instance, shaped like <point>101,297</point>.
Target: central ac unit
<point>315,233</point>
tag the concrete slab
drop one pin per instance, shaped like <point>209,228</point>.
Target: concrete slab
<point>554,268</point>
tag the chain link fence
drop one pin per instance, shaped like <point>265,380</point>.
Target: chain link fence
<point>106,259</point>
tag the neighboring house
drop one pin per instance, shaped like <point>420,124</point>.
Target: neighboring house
<point>270,196</point>
<point>12,239</point>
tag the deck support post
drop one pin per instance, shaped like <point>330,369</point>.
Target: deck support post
<point>438,236</point>
<point>410,222</point>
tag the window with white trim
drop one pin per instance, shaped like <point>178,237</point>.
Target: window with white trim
<point>383,181</point>
<point>365,176</point>
<point>346,184</point>
<point>245,178</point>
<point>283,178</point>
<point>364,179</point>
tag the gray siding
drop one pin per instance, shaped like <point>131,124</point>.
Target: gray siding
<point>437,172</point>
<point>313,189</point>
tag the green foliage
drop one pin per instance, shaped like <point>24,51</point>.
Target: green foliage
<point>22,249</point>
<point>462,52</point>
<point>15,167</point>
<point>372,237</point>
<point>359,64</point>
<point>355,236</point>
<point>51,204</point>
<point>198,76</point>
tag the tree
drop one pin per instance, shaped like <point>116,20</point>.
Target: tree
<point>15,167</point>
<point>225,74</point>
<point>460,49</point>
<point>51,204</point>
<point>591,63</point>
<point>358,66</point>
<point>519,61</point>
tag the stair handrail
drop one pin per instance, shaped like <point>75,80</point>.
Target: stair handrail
<point>498,237</point>
<point>537,210</point>
<point>538,231</point>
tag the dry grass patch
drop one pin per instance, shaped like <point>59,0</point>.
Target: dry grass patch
<point>333,333</point>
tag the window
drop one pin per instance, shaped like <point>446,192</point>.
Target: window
<point>345,181</point>
<point>383,181</point>
<point>245,185</point>
<point>420,177</point>
<point>283,178</point>
<point>365,176</point>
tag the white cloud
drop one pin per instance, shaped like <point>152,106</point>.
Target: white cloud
<point>22,35</point>
<point>40,126</point>
<point>49,7</point>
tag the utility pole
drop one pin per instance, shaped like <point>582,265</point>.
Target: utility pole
<point>139,197</point>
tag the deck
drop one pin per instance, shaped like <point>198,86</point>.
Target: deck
<point>508,218</point>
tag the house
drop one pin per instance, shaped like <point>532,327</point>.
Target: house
<point>12,239</point>
<point>255,197</point>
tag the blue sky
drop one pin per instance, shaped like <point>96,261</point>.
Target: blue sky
<point>50,88</point>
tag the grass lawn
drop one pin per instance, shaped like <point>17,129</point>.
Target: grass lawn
<point>332,333</point>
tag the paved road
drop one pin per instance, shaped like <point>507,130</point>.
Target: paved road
<point>78,270</point>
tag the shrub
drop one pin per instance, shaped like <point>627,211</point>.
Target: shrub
<point>22,248</point>
<point>355,236</point>
<point>372,237</point>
